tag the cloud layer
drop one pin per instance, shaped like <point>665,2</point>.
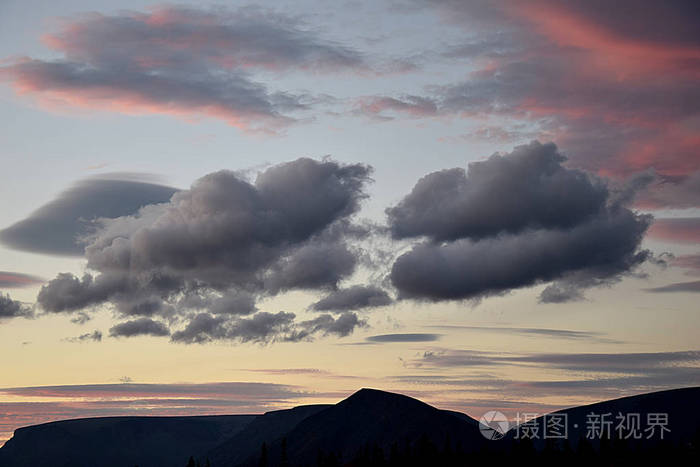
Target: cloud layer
<point>513,221</point>
<point>610,83</point>
<point>181,61</point>
<point>9,280</point>
<point>201,260</point>
<point>10,308</point>
<point>58,227</point>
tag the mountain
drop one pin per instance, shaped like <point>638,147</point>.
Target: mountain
<point>267,428</point>
<point>368,418</point>
<point>370,427</point>
<point>118,441</point>
<point>680,408</point>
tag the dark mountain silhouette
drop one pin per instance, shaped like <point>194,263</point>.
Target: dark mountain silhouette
<point>370,427</point>
<point>118,441</point>
<point>372,418</point>
<point>681,407</point>
<point>269,427</point>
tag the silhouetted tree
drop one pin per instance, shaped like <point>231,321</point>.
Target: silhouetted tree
<point>190,463</point>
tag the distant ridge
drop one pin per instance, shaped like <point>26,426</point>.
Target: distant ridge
<point>118,441</point>
<point>366,428</point>
<point>374,417</point>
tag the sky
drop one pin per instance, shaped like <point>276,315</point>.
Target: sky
<point>235,207</point>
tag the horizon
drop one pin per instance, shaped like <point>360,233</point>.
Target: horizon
<point>209,209</point>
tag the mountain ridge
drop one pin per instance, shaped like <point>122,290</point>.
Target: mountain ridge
<point>369,422</point>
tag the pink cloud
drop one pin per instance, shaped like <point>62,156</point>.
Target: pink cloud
<point>178,61</point>
<point>676,230</point>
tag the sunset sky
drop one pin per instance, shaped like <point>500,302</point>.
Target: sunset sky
<point>235,207</point>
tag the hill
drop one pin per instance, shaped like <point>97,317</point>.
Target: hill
<point>369,428</point>
<point>118,441</point>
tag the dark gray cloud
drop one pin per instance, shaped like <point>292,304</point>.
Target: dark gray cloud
<point>513,221</point>
<point>95,336</point>
<point>314,266</point>
<point>205,257</point>
<point>139,327</point>
<point>261,327</point>
<point>58,227</point>
<point>422,337</point>
<point>326,324</point>
<point>264,328</point>
<point>353,298</point>
<point>692,286</point>
<point>234,303</point>
<point>69,293</point>
<point>561,293</point>
<point>526,189</point>
<point>10,280</point>
<point>244,227</point>
<point>10,308</point>
<point>183,61</point>
<point>464,269</point>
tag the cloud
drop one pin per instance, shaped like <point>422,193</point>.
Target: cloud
<point>234,303</point>
<point>314,266</point>
<point>538,332</point>
<point>676,229</point>
<point>378,107</point>
<point>353,298</point>
<point>243,391</point>
<point>206,256</point>
<point>382,338</point>
<point>561,293</point>
<point>95,336</point>
<point>526,189</point>
<point>616,90</point>
<point>611,363</point>
<point>9,280</point>
<point>681,192</point>
<point>69,293</point>
<point>12,308</point>
<point>689,262</point>
<point>326,324</point>
<point>513,221</point>
<point>58,227</point>
<point>182,61</point>
<point>693,286</point>
<point>265,328</point>
<point>139,327</point>
<point>262,327</point>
